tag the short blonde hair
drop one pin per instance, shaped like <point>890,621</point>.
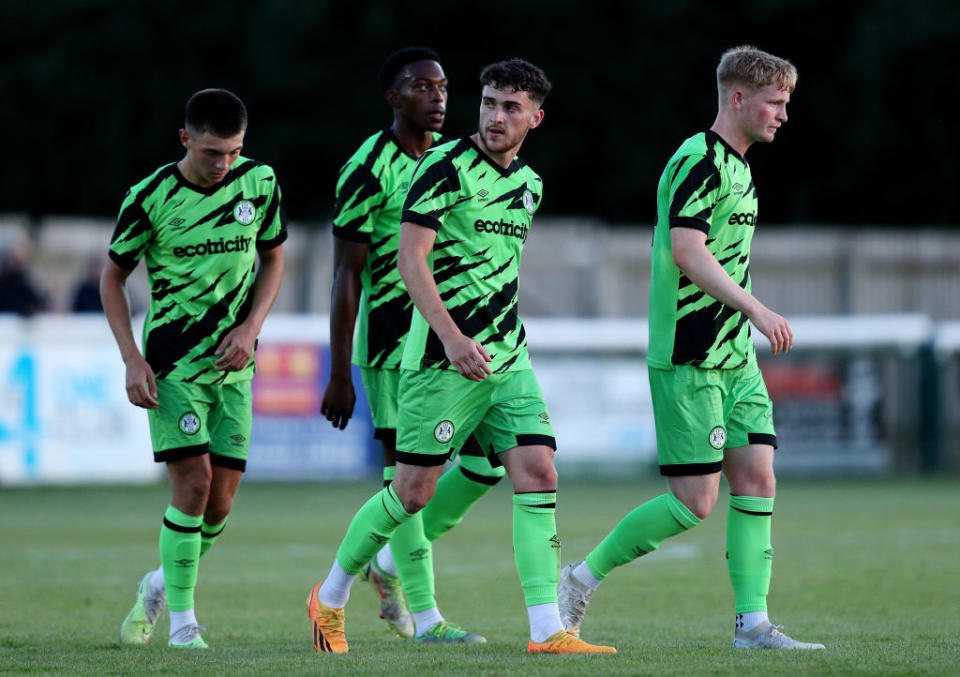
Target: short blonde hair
<point>753,68</point>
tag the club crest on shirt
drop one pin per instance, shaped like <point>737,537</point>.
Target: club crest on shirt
<point>718,437</point>
<point>528,202</point>
<point>444,431</point>
<point>244,212</point>
<point>189,423</point>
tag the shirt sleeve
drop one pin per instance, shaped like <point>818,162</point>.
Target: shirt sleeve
<point>434,191</point>
<point>132,234</point>
<point>694,193</point>
<point>360,198</point>
<point>273,228</point>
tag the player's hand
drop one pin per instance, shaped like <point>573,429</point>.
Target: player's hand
<point>235,349</point>
<point>141,384</point>
<point>775,328</point>
<point>338,400</point>
<point>468,357</point>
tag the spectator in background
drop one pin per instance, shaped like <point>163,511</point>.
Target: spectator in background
<point>17,293</point>
<point>86,295</point>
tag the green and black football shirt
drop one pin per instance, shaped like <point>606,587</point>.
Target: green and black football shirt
<point>708,186</point>
<point>200,249</point>
<point>482,214</point>
<point>370,193</point>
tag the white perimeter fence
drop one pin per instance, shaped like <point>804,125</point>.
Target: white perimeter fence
<point>858,395</point>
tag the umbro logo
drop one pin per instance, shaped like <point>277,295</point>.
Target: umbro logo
<point>176,222</point>
<point>419,554</point>
<point>482,195</point>
<point>378,539</point>
<point>555,542</point>
<point>238,439</point>
<point>184,563</point>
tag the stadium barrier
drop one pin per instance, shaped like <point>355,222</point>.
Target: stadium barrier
<point>858,394</point>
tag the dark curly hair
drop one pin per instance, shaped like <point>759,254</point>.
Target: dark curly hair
<point>396,62</point>
<point>519,75</point>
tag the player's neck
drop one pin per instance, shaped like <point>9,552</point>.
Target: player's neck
<point>504,159</point>
<point>412,140</point>
<point>725,128</point>
<point>187,172</point>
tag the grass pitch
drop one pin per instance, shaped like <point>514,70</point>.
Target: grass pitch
<point>868,568</point>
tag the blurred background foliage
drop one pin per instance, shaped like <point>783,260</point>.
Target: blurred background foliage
<point>93,94</point>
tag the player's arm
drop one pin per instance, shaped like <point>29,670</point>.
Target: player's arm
<point>339,396</point>
<point>467,356</point>
<point>691,255</point>
<point>237,346</point>
<point>140,380</point>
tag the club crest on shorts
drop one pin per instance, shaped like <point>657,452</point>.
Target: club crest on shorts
<point>528,202</point>
<point>244,212</point>
<point>444,431</point>
<point>189,423</point>
<point>718,437</point>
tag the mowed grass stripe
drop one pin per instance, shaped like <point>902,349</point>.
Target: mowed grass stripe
<point>869,568</point>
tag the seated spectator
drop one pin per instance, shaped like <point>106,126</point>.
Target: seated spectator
<point>86,295</point>
<point>17,292</point>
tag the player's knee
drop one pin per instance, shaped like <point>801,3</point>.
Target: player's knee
<point>195,485</point>
<point>700,505</point>
<point>218,509</point>
<point>759,482</point>
<point>414,497</point>
<point>767,486</point>
<point>537,477</point>
<point>414,503</point>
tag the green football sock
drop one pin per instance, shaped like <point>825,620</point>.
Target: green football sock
<point>749,552</point>
<point>209,534</point>
<point>536,546</point>
<point>179,553</point>
<point>370,529</point>
<point>640,532</point>
<point>413,557</point>
<point>388,472</point>
<point>457,491</point>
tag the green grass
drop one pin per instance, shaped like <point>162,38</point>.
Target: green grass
<point>868,568</point>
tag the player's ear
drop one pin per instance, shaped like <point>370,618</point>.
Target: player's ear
<point>536,118</point>
<point>736,98</point>
<point>184,138</point>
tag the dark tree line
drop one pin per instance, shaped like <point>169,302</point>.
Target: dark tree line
<point>93,92</point>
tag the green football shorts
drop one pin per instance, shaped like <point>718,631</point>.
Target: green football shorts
<point>193,420</point>
<point>439,408</point>
<point>701,412</point>
<point>382,387</point>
